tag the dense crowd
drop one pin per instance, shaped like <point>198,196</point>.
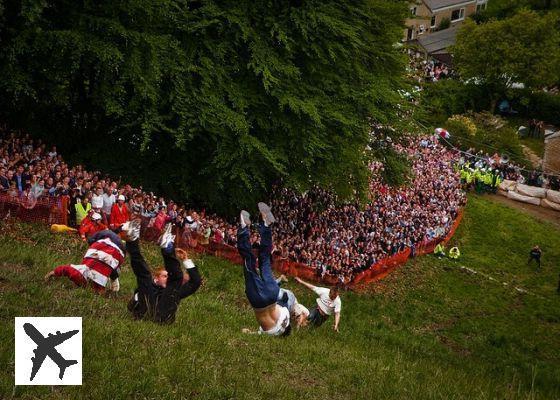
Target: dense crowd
<point>508,170</point>
<point>426,70</point>
<point>313,228</point>
<point>343,240</point>
<point>30,172</point>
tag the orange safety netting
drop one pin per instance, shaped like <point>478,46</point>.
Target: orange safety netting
<point>378,271</point>
<point>48,210</point>
<point>54,210</point>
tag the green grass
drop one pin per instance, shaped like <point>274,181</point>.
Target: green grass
<point>429,330</point>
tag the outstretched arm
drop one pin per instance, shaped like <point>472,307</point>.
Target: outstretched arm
<point>336,321</point>
<point>307,285</point>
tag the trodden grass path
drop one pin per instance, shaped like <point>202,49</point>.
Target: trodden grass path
<point>428,330</point>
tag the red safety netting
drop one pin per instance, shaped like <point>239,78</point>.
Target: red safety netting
<point>48,210</point>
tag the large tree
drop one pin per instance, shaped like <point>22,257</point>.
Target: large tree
<point>524,49</point>
<point>211,100</point>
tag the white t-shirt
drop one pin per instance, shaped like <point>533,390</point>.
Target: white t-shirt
<point>281,325</point>
<point>108,201</point>
<point>328,306</point>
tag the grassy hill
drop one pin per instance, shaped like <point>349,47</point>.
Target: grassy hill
<point>429,330</point>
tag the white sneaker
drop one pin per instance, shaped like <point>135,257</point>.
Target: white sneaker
<point>266,214</point>
<point>167,239</point>
<point>132,229</point>
<point>245,219</point>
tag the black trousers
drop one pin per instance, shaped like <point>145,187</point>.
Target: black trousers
<point>160,304</point>
<point>536,258</point>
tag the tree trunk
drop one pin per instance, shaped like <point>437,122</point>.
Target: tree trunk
<point>493,101</point>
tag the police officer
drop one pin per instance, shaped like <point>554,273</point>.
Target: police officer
<point>454,253</point>
<point>439,251</point>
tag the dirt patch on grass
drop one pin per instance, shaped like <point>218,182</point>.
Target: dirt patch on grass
<point>544,214</point>
<point>454,346</point>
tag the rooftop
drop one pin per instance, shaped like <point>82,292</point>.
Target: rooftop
<point>437,42</point>
<point>437,4</point>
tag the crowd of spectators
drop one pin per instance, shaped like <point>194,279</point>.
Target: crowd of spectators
<point>343,240</point>
<point>509,170</point>
<point>313,228</point>
<point>31,172</point>
<point>426,70</point>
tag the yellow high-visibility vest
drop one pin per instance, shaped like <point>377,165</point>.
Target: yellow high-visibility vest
<point>81,213</point>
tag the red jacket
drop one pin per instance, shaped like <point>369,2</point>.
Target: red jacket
<point>118,215</point>
<point>88,227</point>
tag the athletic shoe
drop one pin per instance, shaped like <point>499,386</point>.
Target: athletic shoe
<point>167,239</point>
<point>266,214</point>
<point>132,230</point>
<point>245,219</point>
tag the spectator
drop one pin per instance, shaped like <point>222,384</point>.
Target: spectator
<point>90,225</point>
<point>119,212</point>
<point>4,180</point>
<point>83,207</point>
<point>108,201</point>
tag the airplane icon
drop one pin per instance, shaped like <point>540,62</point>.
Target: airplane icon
<point>46,347</point>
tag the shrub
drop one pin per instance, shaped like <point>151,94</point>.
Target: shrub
<point>444,24</point>
<point>447,97</point>
<point>486,132</point>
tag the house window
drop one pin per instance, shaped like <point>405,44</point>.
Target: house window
<point>433,22</point>
<point>457,14</point>
<point>480,7</point>
<point>413,10</point>
<point>409,34</point>
<point>422,29</point>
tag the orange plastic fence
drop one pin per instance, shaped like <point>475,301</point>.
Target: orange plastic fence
<point>48,210</point>
<point>375,272</point>
<point>53,210</point>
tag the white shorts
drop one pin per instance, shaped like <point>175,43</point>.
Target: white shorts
<point>281,325</point>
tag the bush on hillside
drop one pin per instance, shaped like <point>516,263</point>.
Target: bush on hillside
<point>486,132</point>
<point>447,97</point>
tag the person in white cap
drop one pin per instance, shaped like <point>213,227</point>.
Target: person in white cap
<point>119,213</point>
<point>90,225</point>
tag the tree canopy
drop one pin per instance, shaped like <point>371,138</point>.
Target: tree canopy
<point>524,49</point>
<point>506,8</point>
<point>209,100</point>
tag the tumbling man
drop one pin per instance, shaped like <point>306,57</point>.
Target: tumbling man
<point>158,297</point>
<point>260,286</point>
<point>100,265</point>
<point>298,311</point>
<point>328,303</point>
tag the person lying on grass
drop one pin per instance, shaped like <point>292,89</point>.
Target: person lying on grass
<point>261,288</point>
<point>100,267</point>
<point>158,297</point>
